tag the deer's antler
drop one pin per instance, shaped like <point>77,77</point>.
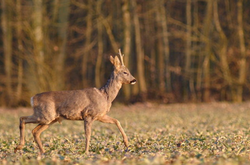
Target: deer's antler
<point>121,56</point>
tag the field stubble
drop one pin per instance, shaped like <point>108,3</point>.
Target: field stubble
<point>214,133</point>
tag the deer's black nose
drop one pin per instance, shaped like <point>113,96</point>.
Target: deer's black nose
<point>133,81</point>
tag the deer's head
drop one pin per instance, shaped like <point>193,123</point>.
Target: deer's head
<point>121,72</point>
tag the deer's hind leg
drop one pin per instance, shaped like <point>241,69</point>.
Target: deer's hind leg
<point>36,134</point>
<point>24,120</point>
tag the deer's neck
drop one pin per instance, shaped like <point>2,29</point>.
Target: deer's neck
<point>111,88</point>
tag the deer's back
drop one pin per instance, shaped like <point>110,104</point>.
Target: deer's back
<point>71,105</point>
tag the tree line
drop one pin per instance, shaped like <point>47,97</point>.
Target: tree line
<point>179,50</point>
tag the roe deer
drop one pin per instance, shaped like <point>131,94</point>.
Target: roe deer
<point>88,104</point>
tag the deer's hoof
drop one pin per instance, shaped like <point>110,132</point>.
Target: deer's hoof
<point>125,143</point>
<point>86,153</point>
<point>19,147</point>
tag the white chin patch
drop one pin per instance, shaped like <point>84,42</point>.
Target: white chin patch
<point>133,82</point>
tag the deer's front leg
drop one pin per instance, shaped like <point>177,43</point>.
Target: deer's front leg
<point>108,119</point>
<point>87,126</point>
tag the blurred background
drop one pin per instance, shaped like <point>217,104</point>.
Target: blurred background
<point>179,50</point>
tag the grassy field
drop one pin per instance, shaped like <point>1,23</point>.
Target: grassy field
<point>214,133</point>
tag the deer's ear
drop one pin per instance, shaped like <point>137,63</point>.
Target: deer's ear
<point>112,60</point>
<point>115,61</point>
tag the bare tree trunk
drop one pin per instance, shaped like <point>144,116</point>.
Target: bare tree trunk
<point>62,40</point>
<point>20,50</point>
<point>7,49</point>
<point>160,53</point>
<point>188,74</point>
<point>223,50</point>
<point>149,47</point>
<point>55,10</point>
<point>139,52</point>
<point>127,42</point>
<point>39,46</point>
<point>87,45</point>
<point>207,50</point>
<point>166,48</point>
<point>100,45</point>
<point>242,62</point>
<point>198,54</point>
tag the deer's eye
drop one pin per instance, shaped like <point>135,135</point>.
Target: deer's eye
<point>125,73</point>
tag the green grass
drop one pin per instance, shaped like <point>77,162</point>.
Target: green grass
<point>215,133</point>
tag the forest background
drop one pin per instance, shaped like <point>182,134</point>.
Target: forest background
<point>179,50</point>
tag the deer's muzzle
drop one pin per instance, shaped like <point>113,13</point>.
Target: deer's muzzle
<point>133,82</point>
